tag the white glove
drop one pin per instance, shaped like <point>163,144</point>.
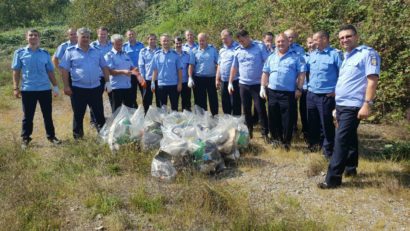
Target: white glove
<point>191,83</point>
<point>108,87</point>
<point>56,91</point>
<point>230,87</point>
<point>262,92</point>
<point>152,86</point>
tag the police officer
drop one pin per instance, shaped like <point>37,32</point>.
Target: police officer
<point>268,41</point>
<point>283,73</point>
<point>186,91</point>
<point>248,62</point>
<point>202,70</point>
<point>167,68</point>
<point>231,104</point>
<point>122,70</point>
<point>324,64</point>
<point>311,46</point>
<point>144,66</point>
<point>355,91</point>
<point>133,47</point>
<point>85,63</point>
<point>190,42</point>
<point>104,45</point>
<point>72,41</point>
<point>33,66</point>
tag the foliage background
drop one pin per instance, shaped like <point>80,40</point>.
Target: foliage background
<point>383,25</point>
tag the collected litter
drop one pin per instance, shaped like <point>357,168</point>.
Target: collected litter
<point>183,139</point>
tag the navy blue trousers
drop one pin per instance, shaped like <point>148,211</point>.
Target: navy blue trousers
<point>93,119</point>
<point>147,95</point>
<point>205,88</point>
<point>133,91</point>
<point>321,127</point>
<point>345,155</point>
<point>168,91</point>
<point>29,102</point>
<point>282,113</point>
<point>303,112</point>
<point>231,104</point>
<point>248,94</point>
<point>121,96</point>
<point>185,97</point>
<point>80,98</point>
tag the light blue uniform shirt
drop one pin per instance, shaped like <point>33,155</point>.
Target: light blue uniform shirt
<point>249,62</point>
<point>283,71</point>
<point>204,61</point>
<point>225,61</point>
<point>188,48</point>
<point>34,67</point>
<point>104,49</point>
<point>144,62</point>
<point>84,67</point>
<point>119,61</point>
<point>167,64</point>
<point>184,57</point>
<point>306,57</point>
<point>351,86</point>
<point>62,48</point>
<point>324,70</point>
<point>133,51</point>
<point>297,48</point>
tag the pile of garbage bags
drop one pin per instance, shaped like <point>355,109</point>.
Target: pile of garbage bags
<point>183,139</point>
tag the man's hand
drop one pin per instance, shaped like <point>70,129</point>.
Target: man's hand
<point>56,91</point>
<point>331,94</point>
<point>108,87</point>
<point>153,86</point>
<point>262,92</point>
<point>218,83</point>
<point>298,94</point>
<point>179,87</point>
<point>364,112</point>
<point>191,82</point>
<point>230,88</point>
<point>17,93</point>
<point>67,91</point>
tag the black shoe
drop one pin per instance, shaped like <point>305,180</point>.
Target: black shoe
<point>351,173</point>
<point>276,144</point>
<point>266,139</point>
<point>54,140</point>
<point>25,142</point>
<point>324,185</point>
<point>286,147</point>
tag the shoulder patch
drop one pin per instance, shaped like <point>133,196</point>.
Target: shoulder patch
<point>373,60</point>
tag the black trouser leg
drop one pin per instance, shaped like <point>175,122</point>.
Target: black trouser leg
<point>259,103</point>
<point>314,120</point>
<point>93,120</point>
<point>186,97</point>
<point>147,96</point>
<point>200,92</point>
<point>275,117</point>
<point>231,104</point>
<point>95,102</point>
<point>45,100</point>
<point>133,91</point>
<point>79,105</point>
<point>345,150</point>
<point>212,95</point>
<point>304,114</point>
<point>121,96</point>
<point>249,93</point>
<point>29,103</point>
<point>282,105</point>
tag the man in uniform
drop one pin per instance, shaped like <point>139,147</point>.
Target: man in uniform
<point>268,41</point>
<point>231,104</point>
<point>190,42</point>
<point>202,69</point>
<point>248,62</point>
<point>72,41</point>
<point>186,91</point>
<point>355,91</point>
<point>144,66</point>
<point>33,66</point>
<point>85,63</point>
<point>122,70</point>
<point>283,74</point>
<point>104,45</point>
<point>324,64</point>
<point>167,69</point>
<point>133,47</point>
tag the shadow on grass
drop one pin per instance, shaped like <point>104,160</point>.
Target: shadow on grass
<point>391,180</point>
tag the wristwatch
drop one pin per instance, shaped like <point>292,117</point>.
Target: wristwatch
<point>370,102</point>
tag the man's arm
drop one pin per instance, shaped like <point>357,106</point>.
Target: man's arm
<point>56,62</point>
<point>218,77</point>
<point>66,82</point>
<point>365,111</point>
<point>16,83</point>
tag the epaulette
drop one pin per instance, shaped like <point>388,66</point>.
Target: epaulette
<point>20,50</point>
<point>44,50</point>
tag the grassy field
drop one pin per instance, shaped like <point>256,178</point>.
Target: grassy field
<point>81,185</point>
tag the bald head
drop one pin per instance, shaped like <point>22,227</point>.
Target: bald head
<point>226,37</point>
<point>72,35</point>
<point>291,34</point>
<point>203,40</point>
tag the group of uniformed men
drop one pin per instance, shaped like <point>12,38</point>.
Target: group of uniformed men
<point>246,71</point>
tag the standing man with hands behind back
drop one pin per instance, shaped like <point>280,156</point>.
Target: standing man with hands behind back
<point>33,66</point>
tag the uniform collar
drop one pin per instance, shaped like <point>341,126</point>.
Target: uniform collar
<point>71,44</point>
<point>187,45</point>
<point>77,46</point>
<point>113,50</point>
<point>27,48</point>
<point>326,50</point>
<point>233,45</point>
<point>99,44</point>
<point>149,49</point>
